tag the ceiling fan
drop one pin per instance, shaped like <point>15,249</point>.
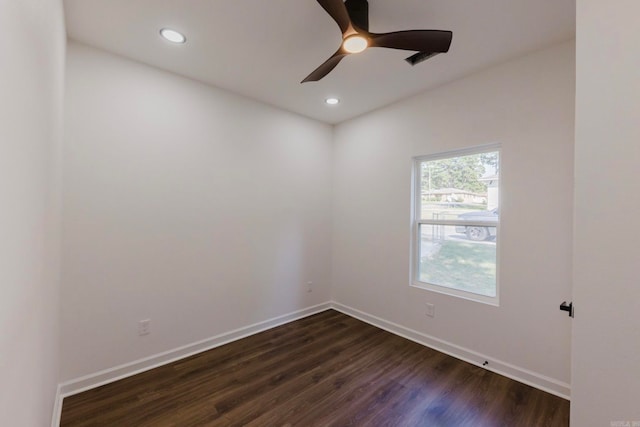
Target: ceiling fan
<point>352,16</point>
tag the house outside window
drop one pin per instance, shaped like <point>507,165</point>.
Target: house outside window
<point>456,223</point>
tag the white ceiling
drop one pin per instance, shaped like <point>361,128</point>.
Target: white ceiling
<point>263,48</point>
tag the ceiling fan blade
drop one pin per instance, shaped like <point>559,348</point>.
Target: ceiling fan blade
<point>326,67</point>
<point>418,40</point>
<point>338,12</point>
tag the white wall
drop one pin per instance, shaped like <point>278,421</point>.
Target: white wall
<point>31,82</point>
<point>527,105</point>
<point>606,341</point>
<point>185,204</point>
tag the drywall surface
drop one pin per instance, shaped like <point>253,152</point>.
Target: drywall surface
<point>606,336</point>
<point>186,205</point>
<point>31,89</point>
<point>527,106</point>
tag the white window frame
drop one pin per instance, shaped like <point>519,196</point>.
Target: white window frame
<point>416,221</point>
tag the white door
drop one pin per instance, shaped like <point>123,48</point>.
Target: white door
<point>606,328</point>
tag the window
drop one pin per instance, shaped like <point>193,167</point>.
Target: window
<point>456,223</point>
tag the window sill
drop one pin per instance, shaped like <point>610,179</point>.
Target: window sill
<point>493,301</point>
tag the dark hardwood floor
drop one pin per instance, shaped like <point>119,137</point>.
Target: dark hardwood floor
<point>325,370</point>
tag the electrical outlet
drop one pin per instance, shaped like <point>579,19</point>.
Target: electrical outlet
<point>309,286</point>
<point>144,327</point>
<point>431,310</point>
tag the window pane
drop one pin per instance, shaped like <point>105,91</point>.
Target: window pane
<point>458,186</point>
<point>462,258</point>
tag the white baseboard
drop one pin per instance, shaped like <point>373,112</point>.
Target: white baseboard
<point>107,376</point>
<point>110,375</point>
<point>542,382</point>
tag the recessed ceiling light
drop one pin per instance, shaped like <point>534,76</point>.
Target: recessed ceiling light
<point>172,35</point>
<point>355,44</point>
<point>332,101</point>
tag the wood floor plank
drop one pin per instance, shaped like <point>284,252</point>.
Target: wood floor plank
<point>346,352</point>
<point>324,370</point>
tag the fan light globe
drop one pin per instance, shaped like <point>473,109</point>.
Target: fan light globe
<point>355,44</point>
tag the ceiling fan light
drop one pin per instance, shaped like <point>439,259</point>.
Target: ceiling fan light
<point>355,44</point>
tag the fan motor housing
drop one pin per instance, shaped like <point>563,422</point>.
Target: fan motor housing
<point>359,13</point>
